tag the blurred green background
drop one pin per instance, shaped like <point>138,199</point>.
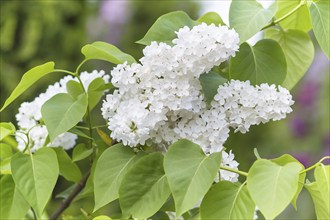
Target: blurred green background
<point>34,32</point>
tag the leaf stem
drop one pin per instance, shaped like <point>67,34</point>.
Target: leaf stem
<point>301,3</point>
<point>315,165</point>
<point>234,171</point>
<point>34,214</point>
<point>65,71</point>
<point>66,202</point>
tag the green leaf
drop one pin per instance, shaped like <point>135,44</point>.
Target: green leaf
<point>211,18</point>
<point>163,30</point>
<point>35,176</point>
<point>272,186</point>
<point>320,191</point>
<point>5,151</point>
<point>28,79</point>
<point>262,63</point>
<point>299,53</point>
<point>68,169</point>
<point>144,188</point>
<point>81,152</point>
<point>62,112</point>
<point>13,205</point>
<point>94,92</point>
<point>79,132</point>
<point>102,217</point>
<point>227,200</point>
<point>105,137</point>
<point>249,17</point>
<point>5,166</point>
<point>320,14</point>
<point>300,19</point>
<point>210,83</point>
<point>107,52</point>
<point>109,171</point>
<point>190,173</point>
<point>282,161</point>
<point>6,129</point>
<point>74,88</point>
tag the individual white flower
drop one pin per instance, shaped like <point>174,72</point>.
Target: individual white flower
<point>228,161</point>
<point>29,118</point>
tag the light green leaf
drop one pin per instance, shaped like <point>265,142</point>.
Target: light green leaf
<point>62,112</point>
<point>144,188</point>
<point>249,17</point>
<point>320,14</point>
<point>80,152</point>
<point>272,186</point>
<point>282,161</point>
<point>109,171</point>
<point>5,166</point>
<point>107,52</point>
<point>94,92</point>
<point>190,173</point>
<point>28,79</point>
<point>211,18</point>
<point>163,30</point>
<point>74,88</point>
<point>227,200</point>
<point>68,169</point>
<point>102,217</point>
<point>262,63</point>
<point>210,83</point>
<point>299,53</point>
<point>320,191</point>
<point>35,176</point>
<point>13,205</point>
<point>300,19</point>
<point>5,151</point>
<point>6,129</point>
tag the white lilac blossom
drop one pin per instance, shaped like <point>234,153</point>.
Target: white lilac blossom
<point>160,100</point>
<point>29,118</point>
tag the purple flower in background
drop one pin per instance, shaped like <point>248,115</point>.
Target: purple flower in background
<point>308,94</point>
<point>115,12</point>
<point>299,126</point>
<point>304,158</point>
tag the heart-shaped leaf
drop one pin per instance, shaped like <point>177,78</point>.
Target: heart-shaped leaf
<point>272,186</point>
<point>299,53</point>
<point>249,17</point>
<point>190,173</point>
<point>35,176</point>
<point>263,63</point>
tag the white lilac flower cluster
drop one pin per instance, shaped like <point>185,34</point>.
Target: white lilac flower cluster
<point>160,99</point>
<point>29,118</point>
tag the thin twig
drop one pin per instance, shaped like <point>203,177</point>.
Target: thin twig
<point>66,202</point>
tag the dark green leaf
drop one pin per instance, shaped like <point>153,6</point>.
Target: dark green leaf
<point>190,173</point>
<point>79,133</point>
<point>249,17</point>
<point>272,186</point>
<point>320,14</point>
<point>62,112</point>
<point>68,169</point>
<point>144,188</point>
<point>35,176</point>
<point>13,205</point>
<point>28,79</point>
<point>262,63</point>
<point>299,53</point>
<point>163,30</point>
<point>227,200</point>
<point>210,83</point>
<point>107,52</point>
